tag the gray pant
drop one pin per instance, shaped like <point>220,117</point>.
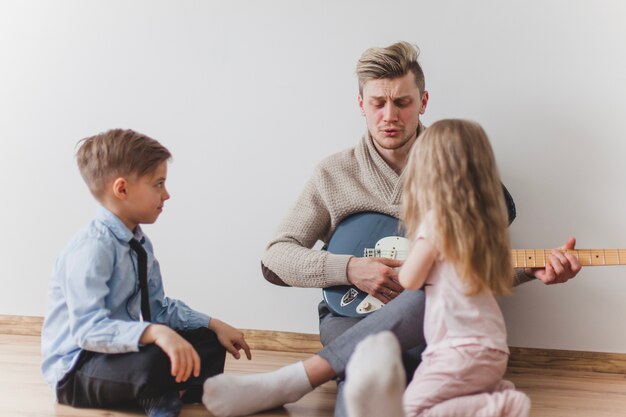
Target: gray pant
<point>403,316</point>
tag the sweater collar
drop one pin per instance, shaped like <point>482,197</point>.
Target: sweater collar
<point>378,160</point>
<point>381,174</point>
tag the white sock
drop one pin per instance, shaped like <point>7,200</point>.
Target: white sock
<point>375,379</point>
<point>240,395</point>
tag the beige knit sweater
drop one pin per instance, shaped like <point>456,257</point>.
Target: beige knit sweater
<point>352,181</point>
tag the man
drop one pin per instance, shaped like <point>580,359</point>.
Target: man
<point>367,178</point>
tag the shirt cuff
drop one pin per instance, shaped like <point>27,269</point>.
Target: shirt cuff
<point>197,320</point>
<point>125,338</point>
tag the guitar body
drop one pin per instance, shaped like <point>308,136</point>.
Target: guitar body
<point>374,232</point>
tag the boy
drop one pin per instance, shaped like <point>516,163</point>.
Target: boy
<point>108,339</point>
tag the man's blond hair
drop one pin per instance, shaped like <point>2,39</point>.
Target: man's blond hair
<point>393,61</point>
<point>117,153</point>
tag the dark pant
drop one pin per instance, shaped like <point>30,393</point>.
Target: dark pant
<point>403,316</point>
<point>117,380</point>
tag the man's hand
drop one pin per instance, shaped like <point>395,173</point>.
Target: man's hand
<point>232,339</point>
<point>376,276</point>
<point>183,356</point>
<point>559,268</point>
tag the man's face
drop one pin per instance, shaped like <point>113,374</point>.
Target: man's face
<point>391,108</point>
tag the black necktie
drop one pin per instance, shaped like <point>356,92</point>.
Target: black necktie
<point>142,263</point>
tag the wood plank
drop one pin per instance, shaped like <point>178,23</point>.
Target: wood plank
<point>24,393</point>
<point>276,341</point>
<point>571,360</point>
<point>554,393</point>
<point>257,339</point>
<point>283,341</point>
<point>21,325</point>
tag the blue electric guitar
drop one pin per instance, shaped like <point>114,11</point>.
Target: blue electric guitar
<point>363,234</point>
<point>379,235</point>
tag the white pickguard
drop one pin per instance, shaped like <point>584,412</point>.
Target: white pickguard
<point>393,247</point>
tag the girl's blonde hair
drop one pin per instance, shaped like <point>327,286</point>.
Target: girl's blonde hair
<point>452,173</point>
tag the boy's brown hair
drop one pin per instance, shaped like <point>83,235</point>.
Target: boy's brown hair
<point>115,153</point>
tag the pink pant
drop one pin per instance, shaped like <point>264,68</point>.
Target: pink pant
<point>464,381</point>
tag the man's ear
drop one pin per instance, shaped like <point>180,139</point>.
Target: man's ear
<point>424,103</point>
<point>360,99</point>
<point>120,188</point>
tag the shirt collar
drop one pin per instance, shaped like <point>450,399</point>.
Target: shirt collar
<point>117,226</point>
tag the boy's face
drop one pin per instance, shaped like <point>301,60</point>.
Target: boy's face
<point>145,197</point>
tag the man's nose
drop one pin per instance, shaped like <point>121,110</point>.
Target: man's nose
<point>390,112</point>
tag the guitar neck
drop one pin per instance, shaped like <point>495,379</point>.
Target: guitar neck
<point>531,258</point>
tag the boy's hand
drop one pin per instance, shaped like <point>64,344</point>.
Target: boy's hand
<point>183,356</point>
<point>231,338</point>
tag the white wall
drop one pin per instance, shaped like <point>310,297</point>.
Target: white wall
<point>249,95</point>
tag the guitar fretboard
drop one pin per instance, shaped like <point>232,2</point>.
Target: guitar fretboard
<point>531,258</point>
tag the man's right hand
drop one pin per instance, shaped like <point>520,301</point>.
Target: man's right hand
<point>183,356</point>
<point>376,276</point>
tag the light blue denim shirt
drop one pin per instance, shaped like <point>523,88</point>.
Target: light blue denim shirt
<point>94,302</point>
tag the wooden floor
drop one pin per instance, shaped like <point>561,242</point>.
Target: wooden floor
<point>554,393</point>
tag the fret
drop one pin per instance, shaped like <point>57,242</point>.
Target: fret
<point>603,257</point>
<point>609,256</point>
<point>619,262</point>
<point>612,256</point>
<point>582,256</point>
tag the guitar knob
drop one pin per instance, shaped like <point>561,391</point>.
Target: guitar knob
<point>366,305</point>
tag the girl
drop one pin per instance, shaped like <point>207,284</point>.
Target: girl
<point>456,219</point>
